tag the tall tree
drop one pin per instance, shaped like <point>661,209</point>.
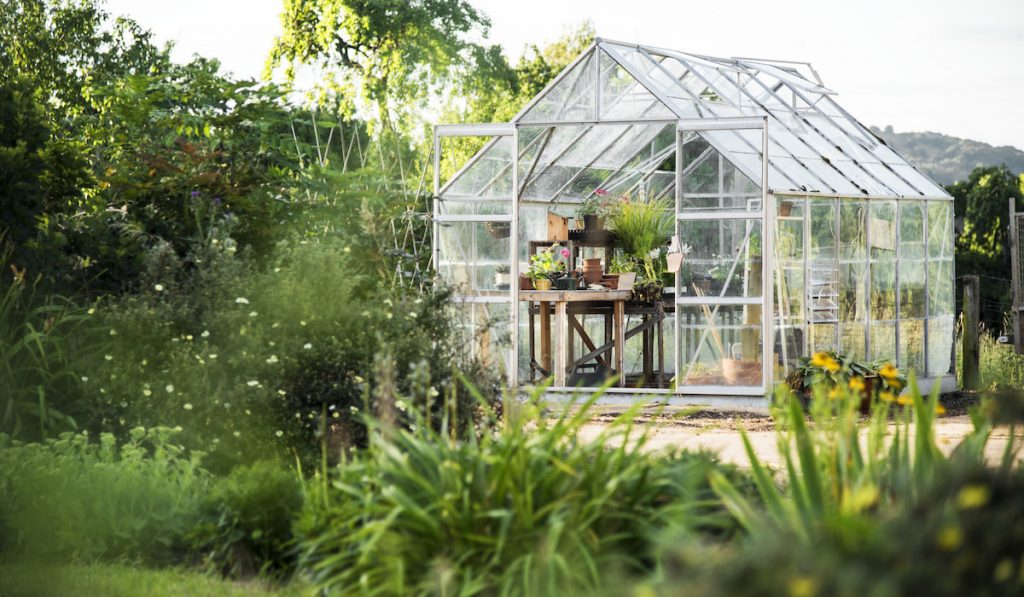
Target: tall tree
<point>390,53</point>
<point>982,249</point>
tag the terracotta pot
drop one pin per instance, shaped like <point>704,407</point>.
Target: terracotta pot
<point>542,284</point>
<point>525,283</point>
<point>739,371</point>
<point>610,280</point>
<point>592,270</point>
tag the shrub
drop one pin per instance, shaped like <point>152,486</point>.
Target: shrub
<point>893,517</point>
<point>76,499</point>
<point>247,519</point>
<point>528,508</point>
<point>37,337</point>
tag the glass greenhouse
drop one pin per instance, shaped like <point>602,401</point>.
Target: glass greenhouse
<point>801,230</point>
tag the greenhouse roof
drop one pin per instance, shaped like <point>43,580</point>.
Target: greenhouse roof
<point>636,91</point>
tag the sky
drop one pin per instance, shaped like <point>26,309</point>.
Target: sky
<point>947,66</point>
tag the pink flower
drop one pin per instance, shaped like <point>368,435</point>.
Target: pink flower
<point>600,192</point>
<point>565,253</point>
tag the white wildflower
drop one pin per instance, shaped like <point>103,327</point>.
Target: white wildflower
<point>307,345</point>
<point>188,406</point>
<point>279,433</point>
<point>253,314</point>
<point>170,388</point>
<point>252,383</point>
<point>158,287</point>
<point>272,359</point>
<point>242,300</point>
<point>205,334</point>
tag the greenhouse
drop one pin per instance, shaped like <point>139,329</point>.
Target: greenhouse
<point>689,226</point>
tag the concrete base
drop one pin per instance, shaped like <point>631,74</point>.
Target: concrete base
<point>626,397</point>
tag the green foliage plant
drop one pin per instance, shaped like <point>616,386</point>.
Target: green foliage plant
<point>38,384</point>
<point>246,521</point>
<point>642,228</point>
<point>529,507</point>
<point>76,498</point>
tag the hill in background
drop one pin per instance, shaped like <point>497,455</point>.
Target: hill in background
<point>948,159</point>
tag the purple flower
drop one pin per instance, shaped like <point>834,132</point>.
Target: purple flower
<point>195,194</point>
<point>216,201</point>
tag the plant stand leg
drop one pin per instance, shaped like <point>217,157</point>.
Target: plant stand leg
<point>545,335</point>
<point>620,341</point>
<point>562,325</point>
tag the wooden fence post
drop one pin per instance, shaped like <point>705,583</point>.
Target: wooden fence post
<point>1016,283</point>
<point>971,353</point>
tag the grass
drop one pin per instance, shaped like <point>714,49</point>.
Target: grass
<point>24,579</point>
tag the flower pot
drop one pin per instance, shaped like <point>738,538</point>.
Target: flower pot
<point>592,271</point>
<point>525,283</point>
<point>502,279</point>
<point>593,223</point>
<point>611,281</point>
<point>542,284</point>
<point>742,372</point>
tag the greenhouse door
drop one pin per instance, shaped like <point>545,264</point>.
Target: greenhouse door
<point>475,227</point>
<point>723,288</point>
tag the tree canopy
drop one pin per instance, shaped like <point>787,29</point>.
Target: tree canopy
<point>390,53</point>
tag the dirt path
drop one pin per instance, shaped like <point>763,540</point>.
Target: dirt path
<point>718,432</point>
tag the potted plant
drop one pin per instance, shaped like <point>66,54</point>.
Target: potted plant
<point>502,277</point>
<point>643,228</point>
<point>548,264</point>
<point>588,212</point>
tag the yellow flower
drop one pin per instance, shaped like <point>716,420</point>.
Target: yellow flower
<point>833,393</point>
<point>905,400</point>
<point>889,372</point>
<point>940,410</point>
<point>802,586</point>
<point>824,361</point>
<point>972,496</point>
<point>857,384</point>
<point>949,538</point>
<point>887,396</point>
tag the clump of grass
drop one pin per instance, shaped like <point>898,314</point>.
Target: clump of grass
<point>528,508</point>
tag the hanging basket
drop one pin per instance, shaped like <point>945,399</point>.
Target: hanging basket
<point>498,229</point>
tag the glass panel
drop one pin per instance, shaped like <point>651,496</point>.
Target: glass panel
<point>940,229</point>
<point>912,345</point>
<point>912,288</point>
<point>487,175</point>
<point>823,229</point>
<point>720,345</point>
<point>883,290</point>
<point>712,183</point>
<point>725,256</point>
<point>852,241</point>
<point>940,288</point>
<point>470,253</point>
<point>823,338</point>
<point>883,340</point>
<point>623,98</point>
<point>485,329</point>
<point>851,340</point>
<point>853,292</point>
<point>912,217</point>
<point>571,99</point>
<point>940,346</point>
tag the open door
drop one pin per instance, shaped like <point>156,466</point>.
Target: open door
<point>474,249</point>
<point>723,290</point>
